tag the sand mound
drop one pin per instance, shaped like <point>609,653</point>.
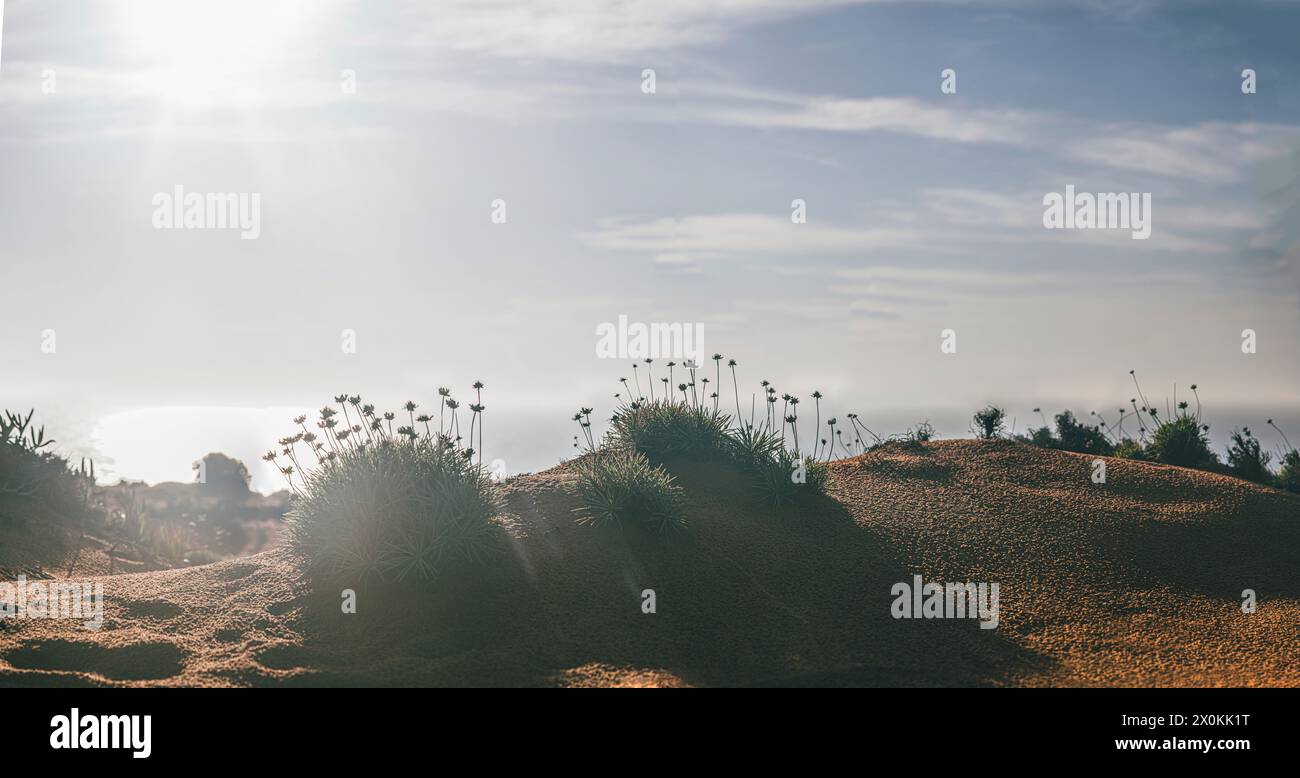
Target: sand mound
<point>1134,582</point>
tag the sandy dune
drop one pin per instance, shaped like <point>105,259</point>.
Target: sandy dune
<point>1135,582</point>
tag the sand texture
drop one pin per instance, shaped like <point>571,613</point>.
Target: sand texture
<point>1137,582</point>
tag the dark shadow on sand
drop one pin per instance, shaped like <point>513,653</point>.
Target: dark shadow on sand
<point>746,594</point>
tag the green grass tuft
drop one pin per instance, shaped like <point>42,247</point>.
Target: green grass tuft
<point>663,431</point>
<point>396,510</point>
<point>1288,477</point>
<point>622,486</point>
<point>1181,441</point>
<point>1247,459</point>
<point>34,481</point>
<point>386,501</point>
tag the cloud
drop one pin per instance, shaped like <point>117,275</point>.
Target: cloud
<point>1215,152</point>
<point>1017,217</point>
<point>593,31</point>
<point>678,240</point>
<point>1210,151</point>
<point>940,222</point>
<point>904,115</point>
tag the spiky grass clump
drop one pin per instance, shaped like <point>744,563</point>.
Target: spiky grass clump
<point>1181,441</point>
<point>622,486</point>
<point>1129,448</point>
<point>1081,438</point>
<point>35,480</point>
<point>921,433</point>
<point>789,477</point>
<point>989,422</point>
<point>396,510</point>
<point>392,504</point>
<point>1247,459</point>
<point>665,430</point>
<point>754,448</point>
<point>777,473</point>
<point>1288,477</point>
<point>1071,435</point>
<point>783,457</point>
<point>1177,438</point>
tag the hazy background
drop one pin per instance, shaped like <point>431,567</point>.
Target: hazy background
<point>924,210</point>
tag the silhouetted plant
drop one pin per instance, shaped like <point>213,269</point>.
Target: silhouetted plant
<point>389,504</point>
<point>735,388</point>
<point>754,448</point>
<point>1288,477</point>
<point>34,481</point>
<point>1129,448</point>
<point>224,476</point>
<point>620,485</point>
<point>665,430</point>
<point>777,474</point>
<point>1039,436</point>
<point>1247,459</point>
<point>921,433</point>
<point>669,428</point>
<point>788,476</point>
<point>989,422</point>
<point>1070,435</point>
<point>1180,441</point>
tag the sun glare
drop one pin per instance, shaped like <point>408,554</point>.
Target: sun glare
<point>159,444</point>
<point>197,51</point>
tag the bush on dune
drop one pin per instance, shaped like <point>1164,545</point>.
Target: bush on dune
<point>379,503</point>
<point>1070,435</point>
<point>777,474</point>
<point>689,425</point>
<point>921,433</point>
<point>37,483</point>
<point>663,430</point>
<point>1178,441</point>
<point>1181,441</point>
<point>1041,437</point>
<point>622,486</point>
<point>788,477</point>
<point>1288,477</point>
<point>33,479</point>
<point>1081,438</point>
<point>1129,448</point>
<point>1247,459</point>
<point>989,422</point>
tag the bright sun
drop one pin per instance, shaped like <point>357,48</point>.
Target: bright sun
<point>195,51</point>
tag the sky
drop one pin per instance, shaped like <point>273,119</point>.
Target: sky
<point>381,138</point>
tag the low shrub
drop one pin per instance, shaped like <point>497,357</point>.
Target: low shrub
<point>777,474</point>
<point>389,504</point>
<point>921,433</point>
<point>665,430</point>
<point>691,427</point>
<point>1129,448</point>
<point>989,422</point>
<point>1181,441</point>
<point>36,482</point>
<point>622,486</point>
<point>1247,459</point>
<point>789,477</point>
<point>1070,435</point>
<point>1041,437</point>
<point>1288,476</point>
<point>1080,438</point>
